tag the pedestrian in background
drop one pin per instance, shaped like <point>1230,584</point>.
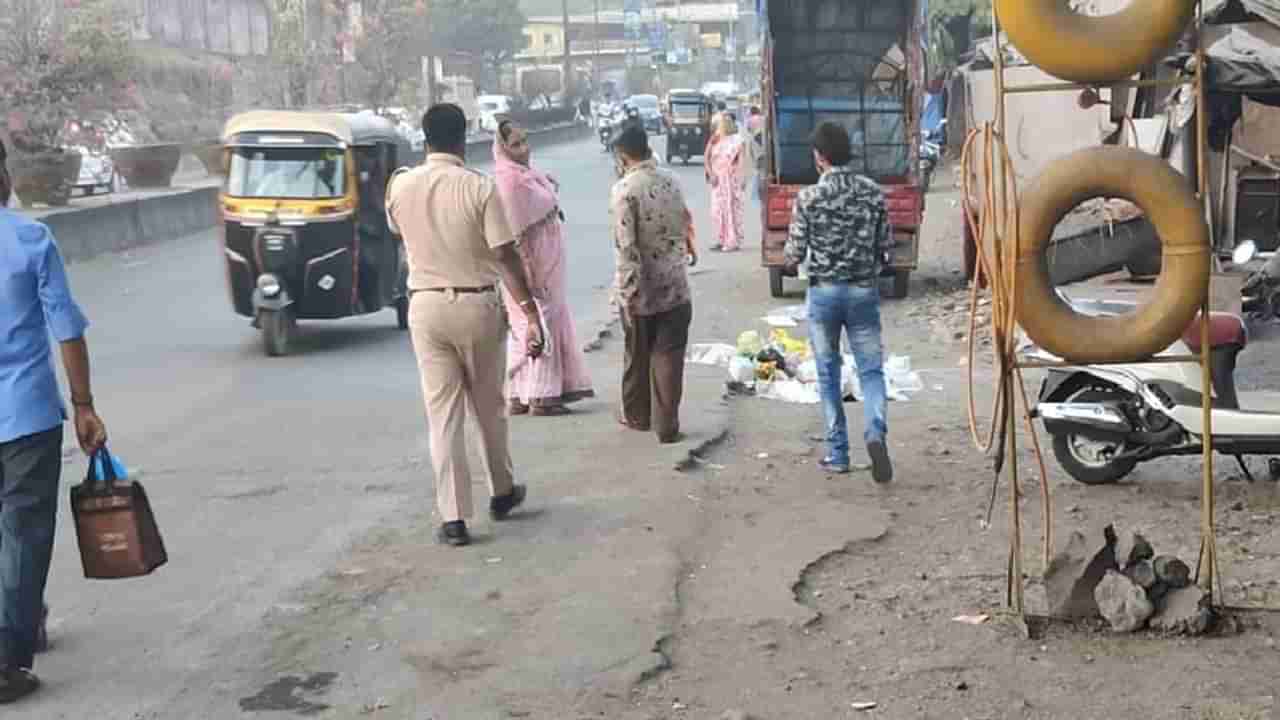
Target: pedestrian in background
<point>546,385</point>
<point>35,303</point>
<point>729,171</point>
<point>720,108</point>
<point>757,151</point>
<point>458,242</point>
<point>841,226</point>
<point>651,234</point>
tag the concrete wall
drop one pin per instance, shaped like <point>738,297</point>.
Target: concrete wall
<point>88,231</point>
<point>229,27</point>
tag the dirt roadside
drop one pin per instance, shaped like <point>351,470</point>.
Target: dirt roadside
<point>871,606</point>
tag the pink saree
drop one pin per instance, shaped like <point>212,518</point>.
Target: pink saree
<point>560,376</point>
<point>728,192</point>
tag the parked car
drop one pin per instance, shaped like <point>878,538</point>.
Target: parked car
<point>491,107</point>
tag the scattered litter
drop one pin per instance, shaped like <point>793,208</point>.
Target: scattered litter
<point>971,619</point>
<point>375,647</point>
<point>791,391</point>
<point>863,706</point>
<point>353,572</point>
<point>779,322</point>
<point>493,560</point>
<point>678,706</point>
<point>714,354</point>
<point>762,456</point>
<point>375,706</point>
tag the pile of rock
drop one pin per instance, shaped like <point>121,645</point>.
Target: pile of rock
<point>1126,583</point>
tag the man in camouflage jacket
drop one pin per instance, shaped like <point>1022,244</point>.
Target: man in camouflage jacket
<point>840,227</point>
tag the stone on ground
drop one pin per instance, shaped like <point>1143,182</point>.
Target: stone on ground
<point>1143,573</point>
<point>1074,573</point>
<point>1132,548</point>
<point>1123,602</point>
<point>1172,572</point>
<point>1184,611</point>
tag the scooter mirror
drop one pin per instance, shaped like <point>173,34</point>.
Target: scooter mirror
<point>1244,252</point>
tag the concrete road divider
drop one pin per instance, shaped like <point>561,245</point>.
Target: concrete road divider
<point>112,223</point>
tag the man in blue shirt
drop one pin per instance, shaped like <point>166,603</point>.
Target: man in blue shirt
<point>35,303</point>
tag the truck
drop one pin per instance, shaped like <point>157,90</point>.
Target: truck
<point>860,63</point>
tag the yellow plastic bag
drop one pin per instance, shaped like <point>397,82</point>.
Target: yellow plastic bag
<point>750,344</point>
<point>790,345</point>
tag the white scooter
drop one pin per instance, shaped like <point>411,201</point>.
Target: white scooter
<point>1105,419</point>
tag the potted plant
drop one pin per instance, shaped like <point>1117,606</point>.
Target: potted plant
<point>64,61</point>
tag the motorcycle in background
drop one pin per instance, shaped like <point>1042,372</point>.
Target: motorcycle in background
<point>1260,295</point>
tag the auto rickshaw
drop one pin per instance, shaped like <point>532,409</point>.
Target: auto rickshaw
<point>304,217</point>
<point>690,124</point>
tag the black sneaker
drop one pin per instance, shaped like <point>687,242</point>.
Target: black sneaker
<point>500,507</point>
<point>454,534</point>
<point>881,467</point>
<point>16,684</point>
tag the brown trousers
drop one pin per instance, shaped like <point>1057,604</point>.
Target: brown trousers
<point>653,374</point>
<point>460,341</point>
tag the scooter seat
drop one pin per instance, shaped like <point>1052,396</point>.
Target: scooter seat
<point>1225,329</point>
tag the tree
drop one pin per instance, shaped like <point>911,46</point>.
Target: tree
<point>490,29</point>
<point>62,63</point>
<point>290,51</point>
<point>953,25</point>
<point>386,37</point>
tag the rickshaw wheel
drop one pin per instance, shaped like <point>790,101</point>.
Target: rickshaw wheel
<point>402,313</point>
<point>277,331</point>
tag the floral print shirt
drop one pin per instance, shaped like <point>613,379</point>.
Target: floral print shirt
<point>650,224</point>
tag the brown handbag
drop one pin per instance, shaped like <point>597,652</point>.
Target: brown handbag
<point>115,527</point>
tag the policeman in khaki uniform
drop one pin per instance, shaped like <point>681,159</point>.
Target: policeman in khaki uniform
<point>459,246</point>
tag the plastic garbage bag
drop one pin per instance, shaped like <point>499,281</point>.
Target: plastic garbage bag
<point>750,343</point>
<point>790,345</point>
<point>791,391</point>
<point>742,369</point>
<point>714,354</point>
<point>807,371</point>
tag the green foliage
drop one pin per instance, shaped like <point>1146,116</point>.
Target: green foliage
<point>489,28</point>
<point>62,63</point>
<point>944,45</point>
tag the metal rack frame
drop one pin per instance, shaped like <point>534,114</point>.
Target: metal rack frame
<point>1207,573</point>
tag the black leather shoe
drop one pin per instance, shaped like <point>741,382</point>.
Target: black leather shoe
<point>500,507</point>
<point>454,534</point>
<point>16,684</point>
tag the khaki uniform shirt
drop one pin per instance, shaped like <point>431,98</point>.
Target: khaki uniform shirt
<point>452,220</point>
<point>650,235</point>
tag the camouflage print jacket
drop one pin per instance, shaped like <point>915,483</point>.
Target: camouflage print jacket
<point>841,226</point>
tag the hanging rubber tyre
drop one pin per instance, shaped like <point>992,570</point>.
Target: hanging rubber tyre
<point>1165,196</point>
<point>1089,49</point>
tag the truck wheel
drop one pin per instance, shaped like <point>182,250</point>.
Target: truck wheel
<point>776,288</point>
<point>277,330</point>
<point>901,285</point>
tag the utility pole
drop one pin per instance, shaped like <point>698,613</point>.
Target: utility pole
<point>595,63</point>
<point>429,34</point>
<point>569,80</point>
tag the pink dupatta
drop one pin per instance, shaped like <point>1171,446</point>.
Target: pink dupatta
<point>528,195</point>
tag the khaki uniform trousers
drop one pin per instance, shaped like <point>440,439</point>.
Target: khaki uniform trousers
<point>460,341</point>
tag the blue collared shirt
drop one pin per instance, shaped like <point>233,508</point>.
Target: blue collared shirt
<point>35,302</point>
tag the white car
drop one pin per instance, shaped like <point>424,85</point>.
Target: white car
<point>491,107</point>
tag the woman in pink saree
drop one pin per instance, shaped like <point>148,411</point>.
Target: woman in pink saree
<point>728,172</point>
<point>546,385</point>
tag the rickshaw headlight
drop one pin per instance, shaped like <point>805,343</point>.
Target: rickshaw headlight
<point>269,285</point>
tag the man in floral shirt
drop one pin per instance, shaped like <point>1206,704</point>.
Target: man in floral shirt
<point>652,248</point>
<point>841,227</point>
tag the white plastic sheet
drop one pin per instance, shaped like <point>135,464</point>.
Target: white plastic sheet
<point>713,354</point>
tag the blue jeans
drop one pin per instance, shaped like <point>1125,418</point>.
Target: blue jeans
<point>30,468</point>
<point>854,309</point>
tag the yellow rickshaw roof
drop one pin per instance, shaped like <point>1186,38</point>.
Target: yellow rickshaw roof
<point>331,124</point>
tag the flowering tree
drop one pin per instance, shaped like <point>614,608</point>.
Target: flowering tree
<point>387,40</point>
<point>61,63</point>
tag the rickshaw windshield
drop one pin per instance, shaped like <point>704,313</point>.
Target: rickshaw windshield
<point>290,173</point>
<point>686,110</point>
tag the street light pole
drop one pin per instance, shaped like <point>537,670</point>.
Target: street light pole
<point>595,63</point>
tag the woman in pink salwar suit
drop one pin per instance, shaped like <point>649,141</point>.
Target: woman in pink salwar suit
<point>542,386</point>
<point>728,172</point>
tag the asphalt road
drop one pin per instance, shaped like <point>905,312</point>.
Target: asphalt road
<point>261,471</point>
